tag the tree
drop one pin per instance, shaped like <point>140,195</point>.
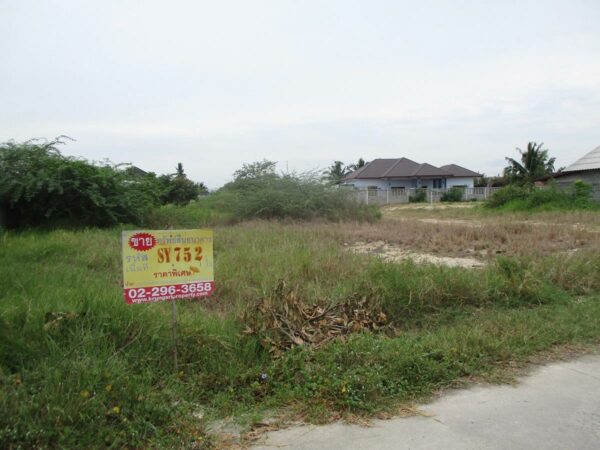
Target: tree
<point>179,189</point>
<point>256,169</point>
<point>40,186</point>
<point>535,164</point>
<point>336,172</point>
<point>360,163</point>
<point>493,181</point>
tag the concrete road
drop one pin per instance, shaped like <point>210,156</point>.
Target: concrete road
<point>556,407</point>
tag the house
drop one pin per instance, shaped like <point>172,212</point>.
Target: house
<point>403,173</point>
<point>586,169</point>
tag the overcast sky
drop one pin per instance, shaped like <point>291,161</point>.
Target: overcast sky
<point>214,84</point>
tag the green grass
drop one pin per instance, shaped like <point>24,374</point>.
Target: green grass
<point>197,214</point>
<point>81,369</point>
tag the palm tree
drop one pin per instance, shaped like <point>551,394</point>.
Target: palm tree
<point>361,163</point>
<point>534,164</point>
<point>336,172</point>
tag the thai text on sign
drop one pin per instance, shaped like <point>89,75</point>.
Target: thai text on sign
<point>167,265</point>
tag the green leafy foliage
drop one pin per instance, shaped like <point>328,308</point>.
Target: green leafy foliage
<point>179,189</point>
<point>255,170</point>
<point>419,196</point>
<point>507,194</point>
<point>336,172</point>
<point>40,186</point>
<point>259,192</point>
<point>522,198</point>
<point>454,194</point>
<point>535,164</point>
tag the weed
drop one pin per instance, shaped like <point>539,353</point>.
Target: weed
<point>81,369</point>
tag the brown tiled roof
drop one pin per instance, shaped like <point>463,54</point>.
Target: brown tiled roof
<point>459,171</point>
<point>402,167</point>
<point>406,168</point>
<point>427,170</point>
<point>374,169</point>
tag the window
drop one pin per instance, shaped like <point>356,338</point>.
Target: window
<point>372,191</point>
<point>437,184</point>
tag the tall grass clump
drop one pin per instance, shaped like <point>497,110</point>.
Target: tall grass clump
<point>196,214</point>
<point>410,293</point>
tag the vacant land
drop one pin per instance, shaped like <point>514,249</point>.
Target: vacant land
<point>301,326</point>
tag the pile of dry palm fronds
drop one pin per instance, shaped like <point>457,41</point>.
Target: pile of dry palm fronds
<point>283,320</point>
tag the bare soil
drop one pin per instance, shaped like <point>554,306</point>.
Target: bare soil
<point>463,236</point>
<point>394,253</point>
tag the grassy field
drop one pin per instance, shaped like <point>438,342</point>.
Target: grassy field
<point>81,369</point>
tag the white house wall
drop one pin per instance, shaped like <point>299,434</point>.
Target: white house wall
<point>389,184</point>
<point>382,184</point>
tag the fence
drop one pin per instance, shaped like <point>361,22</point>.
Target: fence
<point>390,196</point>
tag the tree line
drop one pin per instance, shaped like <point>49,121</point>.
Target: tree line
<point>40,185</point>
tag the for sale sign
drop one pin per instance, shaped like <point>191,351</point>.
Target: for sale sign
<point>167,265</point>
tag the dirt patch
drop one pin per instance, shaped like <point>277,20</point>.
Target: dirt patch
<point>392,253</point>
<point>430,206</point>
<point>479,238</point>
<point>466,223</point>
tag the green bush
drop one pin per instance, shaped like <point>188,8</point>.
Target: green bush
<point>455,194</point>
<point>581,192</point>
<point>178,189</point>
<point>419,196</point>
<point>40,186</point>
<point>519,198</point>
<point>507,194</point>
<point>289,196</point>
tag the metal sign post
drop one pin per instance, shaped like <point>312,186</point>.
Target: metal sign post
<point>174,325</point>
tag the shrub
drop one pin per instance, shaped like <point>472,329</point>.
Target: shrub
<point>304,197</point>
<point>38,185</point>
<point>520,198</point>
<point>506,194</point>
<point>455,194</point>
<point>178,189</point>
<point>581,192</point>
<point>418,197</point>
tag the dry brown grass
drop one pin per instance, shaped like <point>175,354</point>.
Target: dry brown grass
<point>476,212</point>
<point>473,234</point>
